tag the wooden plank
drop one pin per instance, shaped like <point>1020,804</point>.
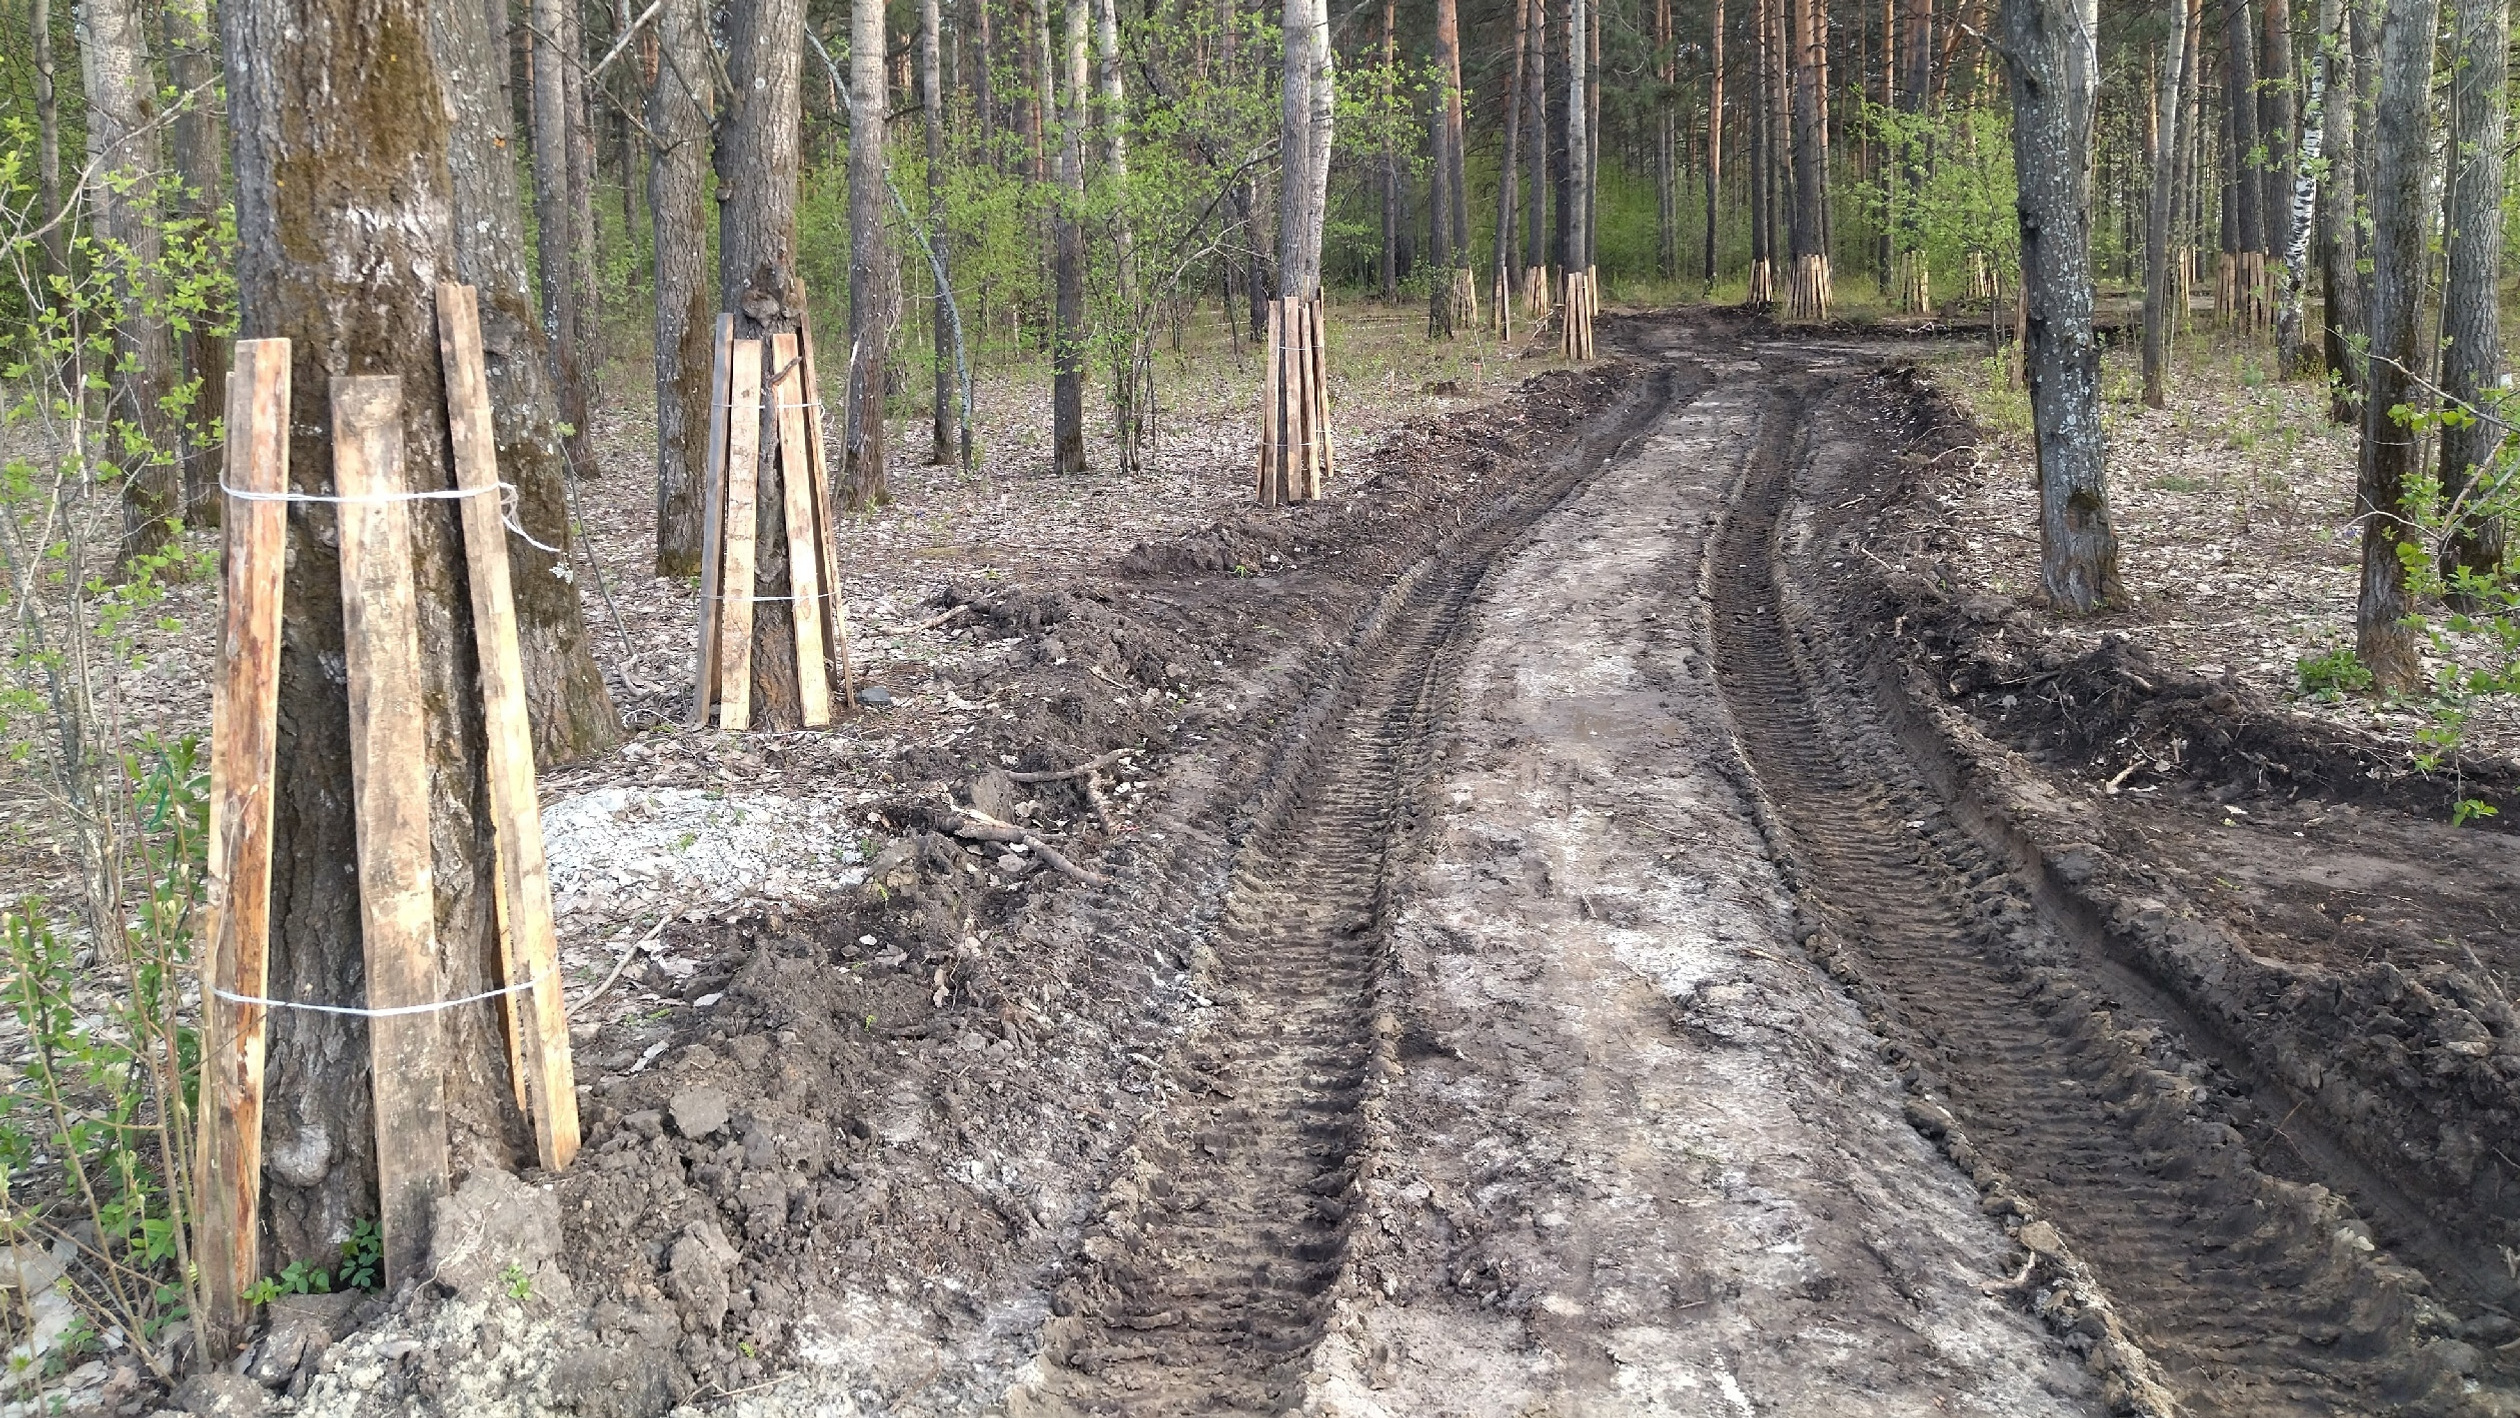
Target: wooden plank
<point>1317,390</point>
<point>837,625</point>
<point>804,540</point>
<point>1290,423</point>
<point>244,757</point>
<point>743,479</point>
<point>1270,404</point>
<point>712,525</point>
<point>515,813</point>
<point>1305,465</point>
<point>1321,386</point>
<point>389,775</point>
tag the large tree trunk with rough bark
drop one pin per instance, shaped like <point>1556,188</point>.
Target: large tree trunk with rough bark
<point>1666,146</point>
<point>757,163</point>
<point>306,81</point>
<point>1714,132</point>
<point>1509,170</point>
<point>1306,116</point>
<point>555,214</point>
<point>1449,308</point>
<point>2050,51</point>
<point>2160,228</point>
<point>678,104</point>
<point>125,155</point>
<point>1068,337</point>
<point>2339,203</point>
<point>874,278</point>
<point>2277,80</point>
<point>1578,140</point>
<point>1808,281</point>
<point>2471,326</point>
<point>192,61</point>
<point>2248,185</point>
<point>2401,136</point>
<point>1536,108</point>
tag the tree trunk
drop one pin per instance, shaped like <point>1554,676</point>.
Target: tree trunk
<point>1069,341</point>
<point>1306,114</point>
<point>1714,131</point>
<point>2248,187</point>
<point>306,79</point>
<point>1450,210</point>
<point>1390,174</point>
<point>588,324</point>
<point>2402,133</point>
<point>2050,47</point>
<point>2160,231</point>
<point>1807,284</point>
<point>1578,140</point>
<point>1536,107</point>
<point>2275,122</point>
<point>47,135</point>
<point>192,62</point>
<point>571,712</point>
<point>678,105</point>
<point>1666,147</point>
<point>555,218</point>
<point>1567,39</point>
<point>123,147</point>
<point>757,160</point>
<point>874,278</point>
<point>1509,170</point>
<point>2339,206</point>
<point>945,419</point>
<point>2471,354</point>
<point>2294,356</point>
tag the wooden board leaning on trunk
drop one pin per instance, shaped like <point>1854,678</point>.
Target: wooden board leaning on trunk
<point>704,670</point>
<point>532,950</point>
<point>836,626</point>
<point>804,530</point>
<point>244,757</point>
<point>1295,447</point>
<point>743,482</point>
<point>389,773</point>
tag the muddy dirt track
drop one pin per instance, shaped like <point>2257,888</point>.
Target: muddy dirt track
<point>1601,946</point>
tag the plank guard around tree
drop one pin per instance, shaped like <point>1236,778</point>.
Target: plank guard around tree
<point>1295,449</point>
<point>244,752</point>
<point>525,925</point>
<point>704,681</point>
<point>389,773</point>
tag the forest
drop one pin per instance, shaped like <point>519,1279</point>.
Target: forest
<point>1469,706</point>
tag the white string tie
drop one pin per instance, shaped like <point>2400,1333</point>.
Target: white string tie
<point>392,1012</point>
<point>507,507</point>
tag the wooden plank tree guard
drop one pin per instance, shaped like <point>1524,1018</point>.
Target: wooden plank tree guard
<point>1583,299</point>
<point>244,754</point>
<point>389,772</point>
<point>1295,448</point>
<point>730,555</point>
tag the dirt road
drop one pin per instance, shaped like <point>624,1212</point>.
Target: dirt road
<point>1566,968</point>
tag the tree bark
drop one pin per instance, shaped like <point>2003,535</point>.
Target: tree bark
<point>874,277</point>
<point>2050,51</point>
<point>1536,106</point>
<point>2402,132</point>
<point>555,215</point>
<point>307,81</point>
<point>2471,354</point>
<point>1449,212</point>
<point>192,62</point>
<point>47,135</point>
<point>2339,208</point>
<point>2248,187</point>
<point>1762,238</point>
<point>1568,40</point>
<point>1307,119</point>
<point>1509,171</point>
<point>1578,139</point>
<point>945,418</point>
<point>2294,356</point>
<point>589,301</point>
<point>1714,131</point>
<point>1390,174</point>
<point>1666,147</point>
<point>2275,121</point>
<point>124,147</point>
<point>757,163</point>
<point>1068,338</point>
<point>2160,231</point>
<point>678,105</point>
<point>1807,285</point>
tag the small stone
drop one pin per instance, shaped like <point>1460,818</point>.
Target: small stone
<point>220,1394</point>
<point>699,1112</point>
<point>29,1268</point>
<point>2040,1237</point>
<point>874,696</point>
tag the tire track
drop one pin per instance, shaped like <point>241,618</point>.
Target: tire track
<point>1206,1286</point>
<point>2249,1294</point>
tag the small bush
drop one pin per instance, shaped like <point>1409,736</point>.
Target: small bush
<point>2334,674</point>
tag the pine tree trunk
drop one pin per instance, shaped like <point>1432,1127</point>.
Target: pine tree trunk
<point>1762,239</point>
<point>678,106</point>
<point>874,277</point>
<point>945,419</point>
<point>1536,108</point>
<point>2159,229</point>
<point>2050,46</point>
<point>2339,203</point>
<point>125,151</point>
<point>305,80</point>
<point>2248,185</point>
<point>1509,171</point>
<point>1567,40</point>
<point>1306,115</point>
<point>1714,132</point>
<point>2275,122</point>
<point>1390,174</point>
<point>1666,148</point>
<point>2471,355</point>
<point>757,163</point>
<point>192,61</point>
<point>1450,210</point>
<point>1069,339</point>
<point>2401,136</point>
<point>1578,139</point>
<point>1807,284</point>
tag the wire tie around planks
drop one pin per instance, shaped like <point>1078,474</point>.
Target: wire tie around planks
<point>507,491</point>
<point>389,1012</point>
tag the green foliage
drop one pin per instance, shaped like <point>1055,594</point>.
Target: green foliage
<point>1963,212</point>
<point>2334,673</point>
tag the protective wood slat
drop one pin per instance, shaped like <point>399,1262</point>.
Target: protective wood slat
<point>838,623</point>
<point>389,773</point>
<point>804,534</point>
<point>516,814</point>
<point>743,481</point>
<point>1272,435</point>
<point>704,683</point>
<point>244,754</point>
